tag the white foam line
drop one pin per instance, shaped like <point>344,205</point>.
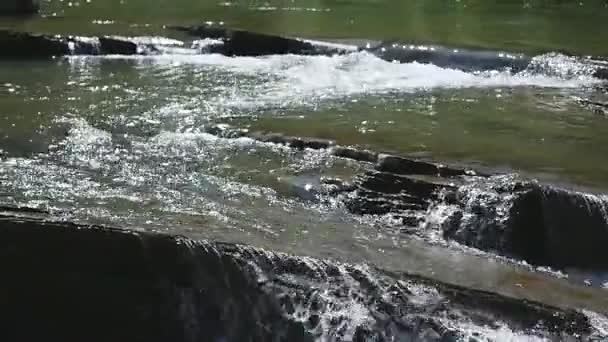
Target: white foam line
<point>287,80</point>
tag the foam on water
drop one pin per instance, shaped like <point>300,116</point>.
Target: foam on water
<point>500,334</point>
<point>283,80</point>
<point>599,322</point>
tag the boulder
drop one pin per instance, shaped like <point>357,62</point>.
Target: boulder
<point>560,228</point>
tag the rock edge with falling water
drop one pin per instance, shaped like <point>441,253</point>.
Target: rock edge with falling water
<point>498,213</point>
<point>234,43</point>
<point>69,282</point>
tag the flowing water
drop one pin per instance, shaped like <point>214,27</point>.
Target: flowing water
<point>123,140</point>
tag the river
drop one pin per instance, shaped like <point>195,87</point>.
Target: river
<point>125,141</point>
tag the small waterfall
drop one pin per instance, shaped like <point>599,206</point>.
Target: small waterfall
<point>526,220</point>
<point>144,286</point>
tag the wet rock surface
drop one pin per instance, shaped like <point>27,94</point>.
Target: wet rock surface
<point>501,214</point>
<point>117,46</point>
<point>246,43</point>
<point>28,45</point>
<point>34,46</point>
<point>68,282</point>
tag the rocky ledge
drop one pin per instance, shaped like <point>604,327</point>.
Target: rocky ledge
<point>18,7</point>
<point>30,45</point>
<point>499,213</point>
<point>234,43</point>
<point>66,282</point>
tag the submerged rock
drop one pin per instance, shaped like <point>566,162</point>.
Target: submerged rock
<point>299,143</point>
<point>67,282</point>
<point>406,166</point>
<point>355,154</point>
<point>570,229</point>
<point>448,57</point>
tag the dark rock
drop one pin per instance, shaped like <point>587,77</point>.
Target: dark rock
<point>294,142</point>
<point>18,7</point>
<point>275,138</point>
<point>404,166</point>
<point>29,45</point>
<point>67,282</point>
<point>501,214</point>
<point>71,283</point>
<point>560,228</point>
<point>388,183</point>
<point>354,154</point>
<point>23,210</point>
<point>312,143</point>
<point>247,43</point>
<point>448,57</point>
<point>379,193</point>
<point>244,43</point>
<point>601,74</point>
<point>117,46</point>
<point>313,321</point>
<point>540,224</point>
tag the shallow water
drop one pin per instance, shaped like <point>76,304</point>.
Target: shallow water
<point>121,140</point>
<point>532,25</point>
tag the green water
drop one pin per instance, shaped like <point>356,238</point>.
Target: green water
<point>531,130</point>
<point>120,140</point>
<point>527,25</point>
